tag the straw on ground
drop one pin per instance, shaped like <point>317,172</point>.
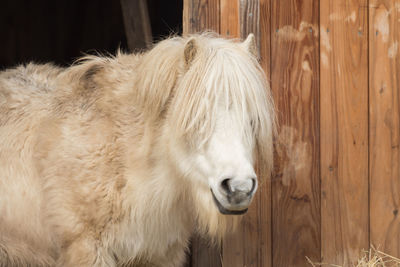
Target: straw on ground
<point>372,258</point>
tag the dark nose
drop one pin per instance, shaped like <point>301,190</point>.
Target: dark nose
<point>238,187</point>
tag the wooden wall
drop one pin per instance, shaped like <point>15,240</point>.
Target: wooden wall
<point>334,70</point>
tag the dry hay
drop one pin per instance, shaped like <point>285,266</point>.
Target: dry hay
<point>372,258</point>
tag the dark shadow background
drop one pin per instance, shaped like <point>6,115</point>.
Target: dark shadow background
<point>60,31</point>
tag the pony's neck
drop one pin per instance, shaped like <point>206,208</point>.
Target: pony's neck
<point>154,190</point>
<point>151,88</point>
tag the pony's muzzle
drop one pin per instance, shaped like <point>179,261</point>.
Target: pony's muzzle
<point>235,195</point>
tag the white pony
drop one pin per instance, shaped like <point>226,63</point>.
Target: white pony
<point>119,160</point>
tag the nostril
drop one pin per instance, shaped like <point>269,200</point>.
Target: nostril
<point>253,186</point>
<point>225,186</point>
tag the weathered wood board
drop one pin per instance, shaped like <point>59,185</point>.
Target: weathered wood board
<point>201,15</point>
<point>344,130</point>
<point>295,85</point>
<point>384,127</point>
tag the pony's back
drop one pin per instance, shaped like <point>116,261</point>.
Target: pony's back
<point>24,104</point>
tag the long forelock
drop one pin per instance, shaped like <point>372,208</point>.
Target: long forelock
<point>225,78</point>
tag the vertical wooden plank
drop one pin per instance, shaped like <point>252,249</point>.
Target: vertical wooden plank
<point>295,85</point>
<point>344,130</point>
<point>198,16</point>
<point>137,24</point>
<point>205,253</point>
<point>265,36</point>
<point>201,15</point>
<point>230,18</point>
<point>384,32</point>
<point>249,19</point>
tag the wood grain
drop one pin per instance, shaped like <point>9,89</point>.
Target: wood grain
<point>201,15</point>
<point>295,85</point>
<point>137,24</point>
<point>249,19</point>
<point>344,130</point>
<point>230,18</point>
<point>384,69</point>
<point>265,36</point>
<point>205,253</point>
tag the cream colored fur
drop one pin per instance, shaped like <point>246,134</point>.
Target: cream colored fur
<point>98,160</point>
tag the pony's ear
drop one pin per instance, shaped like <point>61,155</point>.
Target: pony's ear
<point>250,45</point>
<point>190,51</point>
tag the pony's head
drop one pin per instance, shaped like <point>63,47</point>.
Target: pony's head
<point>218,116</point>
